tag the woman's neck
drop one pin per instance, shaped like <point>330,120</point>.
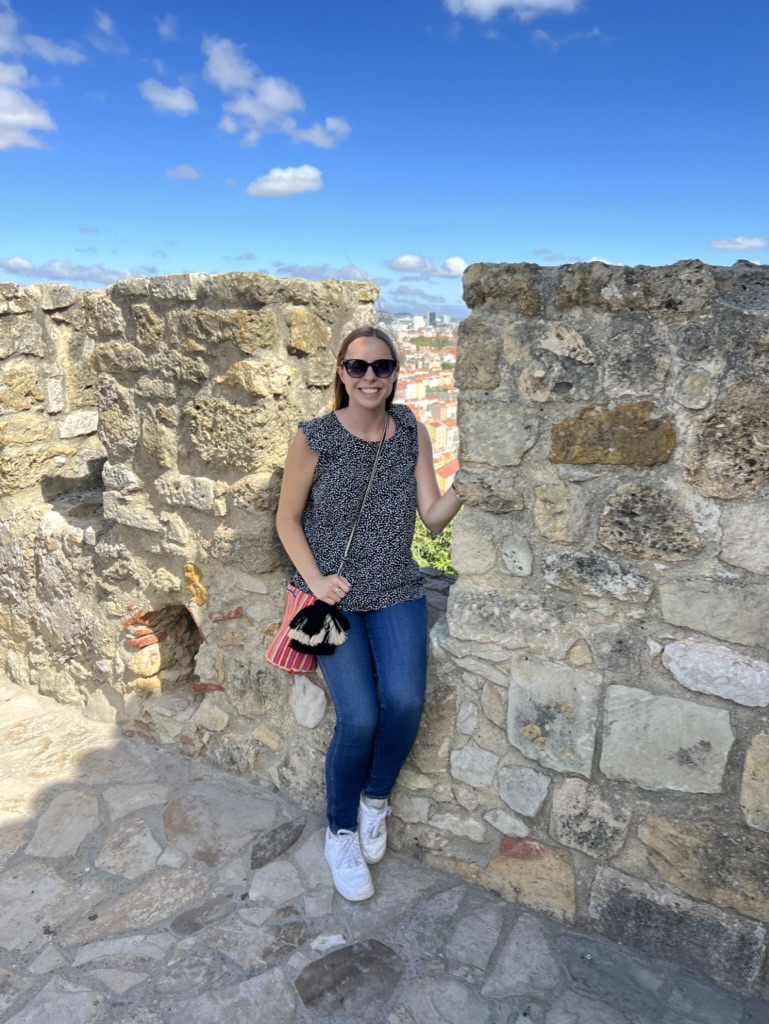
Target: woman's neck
<point>364,423</point>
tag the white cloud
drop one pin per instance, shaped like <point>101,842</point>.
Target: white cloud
<point>13,41</point>
<point>62,270</point>
<point>411,263</point>
<point>261,103</point>
<point>287,181</point>
<point>184,171</point>
<point>168,27</point>
<point>739,244</point>
<point>19,114</point>
<point>594,34</point>
<point>525,10</point>
<point>167,100</point>
<point>609,263</point>
<point>105,37</point>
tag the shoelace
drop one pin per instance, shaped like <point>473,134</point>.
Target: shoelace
<point>349,849</point>
<point>377,818</point>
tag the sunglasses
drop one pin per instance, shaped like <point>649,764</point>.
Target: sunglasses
<point>381,367</point>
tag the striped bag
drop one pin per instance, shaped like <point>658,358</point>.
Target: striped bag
<point>279,653</point>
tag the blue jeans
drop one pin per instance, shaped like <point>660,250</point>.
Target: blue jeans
<point>377,682</point>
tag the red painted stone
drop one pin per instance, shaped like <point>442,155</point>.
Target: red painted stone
<point>145,641</point>
<point>236,613</point>
<point>522,849</point>
<point>202,687</point>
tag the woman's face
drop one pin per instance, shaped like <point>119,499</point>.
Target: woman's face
<point>369,391</point>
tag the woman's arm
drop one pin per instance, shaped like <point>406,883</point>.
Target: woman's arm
<point>295,489</point>
<point>435,510</point>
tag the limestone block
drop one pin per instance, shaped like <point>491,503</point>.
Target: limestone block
<point>23,429</point>
<point>118,419</point>
<point>473,550</point>
<point>695,388</point>
<point>728,456</point>
<point>754,792</point>
<point>526,964</point>
<point>131,510</point>
<point>187,491</point>
<point>664,743</point>
<point>636,364</point>
<point>307,332</point>
<point>22,466</point>
<point>463,825</point>
<point>494,433</point>
<point>516,284</point>
<point>255,491</point>
<point>159,440</point>
<point>728,611</point>
<point>130,851</point>
<point>564,340</point>
<point>439,1000</point>
<point>227,434</point>
<point>725,865</point>
<point>309,703</point>
<point>506,823</point>
<point>268,737</point>
<point>593,575</point>
<point>200,329</point>
<point>256,550</point>
<point>52,297</point>
<point>22,386</point>
<point>183,287</point>
<point>410,808</point>
<point>117,477</point>
<point>211,715</point>
<point>581,819</point>
<point>146,661</point>
<point>516,553</point>
<point>712,668</point>
<point>16,299</point>
<point>642,521</point>
<point>473,765</point>
<point>580,655</point>
<point>104,705</point>
<point>553,713</point>
<point>745,536</point>
<point>149,326</point>
<point>22,336</point>
<point>662,924</point>
<point>467,718</point>
<point>61,829</point>
<point>489,490</point>
<point>258,377</point>
<point>482,615</point>
<point>625,434</point>
<point>479,346</point>
<point>64,1001</point>
<point>118,357</point>
<point>684,287</point>
<point>560,512</point>
<point>79,424</point>
<point>523,789</point>
<point>54,395</point>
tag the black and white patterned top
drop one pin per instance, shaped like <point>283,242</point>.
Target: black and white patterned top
<point>379,566</point>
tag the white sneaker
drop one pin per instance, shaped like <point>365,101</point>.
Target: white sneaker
<point>348,868</point>
<point>372,823</point>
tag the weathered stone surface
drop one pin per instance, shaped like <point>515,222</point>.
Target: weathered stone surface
<point>243,1001</point>
<point>130,851</point>
<point>188,491</point>
<point>729,457</point>
<point>476,550</point>
<point>63,1001</point>
<point>251,947</point>
<point>22,335</point>
<point>131,510</point>
<point>525,965</point>
<point>35,902</point>
<point>119,357</point>
<point>523,789</point>
<point>133,950</point>
<point>216,909</point>
<point>519,284</point>
<point>479,347</point>
<point>272,844</point>
<point>278,882</point>
<point>506,823</point>
<point>210,715</point>
<point>636,364</point>
<point>496,434</point>
<point>459,825</point>
<point>725,866</point>
<point>79,424</point>
<point>11,987</point>
<point>737,613</point>
<point>643,521</point>
<point>667,926</point>
<point>474,766</point>
<point>695,388</point>
<point>572,1008</point>
<point>489,490</point>
<point>119,981</point>
<point>552,713</point>
<point>711,668</point>
<point>745,536</point>
<point>63,827</point>
<point>516,554</point>
<point>309,703</point>
<point>410,808</point>
<point>593,575</point>
<point>629,434</point>
<point>581,819</point>
<point>21,388</point>
<point>475,937</point>
<point>440,1000</point>
<point>258,377</point>
<point>754,792</point>
<point>560,512</point>
<point>563,340</point>
<point>664,743</point>
<point>355,981</point>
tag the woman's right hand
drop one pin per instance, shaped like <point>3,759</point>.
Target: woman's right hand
<point>331,589</point>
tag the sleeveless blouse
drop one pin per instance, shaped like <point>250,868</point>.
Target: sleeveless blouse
<point>379,565</point>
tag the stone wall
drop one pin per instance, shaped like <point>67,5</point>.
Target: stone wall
<point>595,743</point>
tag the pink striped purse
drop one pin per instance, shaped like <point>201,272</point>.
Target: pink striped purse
<point>279,653</point>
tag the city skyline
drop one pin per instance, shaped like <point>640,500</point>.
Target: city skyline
<point>397,146</point>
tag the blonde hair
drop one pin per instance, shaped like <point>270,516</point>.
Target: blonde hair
<point>341,398</point>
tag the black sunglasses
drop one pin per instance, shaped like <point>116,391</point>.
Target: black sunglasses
<point>381,367</point>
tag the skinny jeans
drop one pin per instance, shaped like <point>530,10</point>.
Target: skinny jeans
<point>377,682</point>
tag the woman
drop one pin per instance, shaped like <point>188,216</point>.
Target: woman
<point>377,677</point>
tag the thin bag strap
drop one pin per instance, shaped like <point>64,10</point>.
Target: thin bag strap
<point>365,495</point>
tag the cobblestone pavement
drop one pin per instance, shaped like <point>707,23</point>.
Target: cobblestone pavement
<point>139,886</point>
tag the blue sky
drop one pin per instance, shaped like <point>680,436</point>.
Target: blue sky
<point>395,141</point>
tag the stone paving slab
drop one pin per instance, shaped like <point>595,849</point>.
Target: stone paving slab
<point>141,887</point>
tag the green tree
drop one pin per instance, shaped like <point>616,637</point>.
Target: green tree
<point>431,551</point>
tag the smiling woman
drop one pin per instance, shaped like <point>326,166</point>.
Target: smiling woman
<point>377,677</point>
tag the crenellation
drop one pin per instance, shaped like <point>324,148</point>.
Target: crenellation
<point>598,685</point>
